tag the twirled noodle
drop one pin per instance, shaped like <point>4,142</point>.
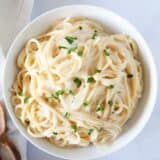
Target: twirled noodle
<point>77,84</point>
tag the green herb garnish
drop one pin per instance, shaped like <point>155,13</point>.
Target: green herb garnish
<point>106,53</point>
<point>90,80</point>
<point>86,103</point>
<point>77,81</point>
<point>98,70</point>
<point>67,114</point>
<point>94,34</point>
<point>131,46</point>
<point>74,127</point>
<point>71,92</point>
<point>55,133</point>
<point>100,108</point>
<point>59,92</point>
<point>116,108</point>
<point>80,27</point>
<point>90,131</point>
<point>26,100</point>
<point>70,39</point>
<point>69,50</point>
<point>62,47</point>
<point>110,86</point>
<point>73,48</point>
<point>20,94</point>
<point>53,96</point>
<point>129,75</point>
<point>110,102</point>
<point>80,53</point>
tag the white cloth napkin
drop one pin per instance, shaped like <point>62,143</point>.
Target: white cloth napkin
<point>14,15</point>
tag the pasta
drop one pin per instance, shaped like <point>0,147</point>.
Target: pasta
<point>77,84</point>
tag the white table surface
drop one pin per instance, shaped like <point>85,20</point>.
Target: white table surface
<point>145,15</point>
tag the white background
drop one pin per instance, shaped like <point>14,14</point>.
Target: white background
<point>145,16</point>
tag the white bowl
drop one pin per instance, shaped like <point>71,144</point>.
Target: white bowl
<point>114,23</point>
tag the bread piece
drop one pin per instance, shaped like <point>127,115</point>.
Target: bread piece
<point>2,121</point>
<point>8,151</point>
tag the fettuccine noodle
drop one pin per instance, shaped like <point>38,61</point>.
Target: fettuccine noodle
<point>77,84</point>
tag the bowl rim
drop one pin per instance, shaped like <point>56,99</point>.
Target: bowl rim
<point>151,102</point>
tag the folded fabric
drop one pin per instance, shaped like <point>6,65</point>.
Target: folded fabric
<point>14,15</point>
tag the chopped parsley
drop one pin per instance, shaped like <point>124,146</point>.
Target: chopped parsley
<point>26,100</point>
<point>90,131</point>
<point>86,103</point>
<point>129,75</point>
<point>131,46</point>
<point>72,48</point>
<point>110,86</point>
<point>70,39</point>
<point>77,82</point>
<point>98,70</point>
<point>116,108</point>
<point>74,127</point>
<point>69,50</point>
<point>67,114</point>
<point>62,47</point>
<point>106,53</point>
<point>53,96</point>
<point>80,28</point>
<point>90,80</point>
<point>71,92</point>
<point>94,34</point>
<point>55,133</point>
<point>100,108</point>
<point>57,94</point>
<point>110,102</point>
<point>20,94</point>
<point>80,53</point>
